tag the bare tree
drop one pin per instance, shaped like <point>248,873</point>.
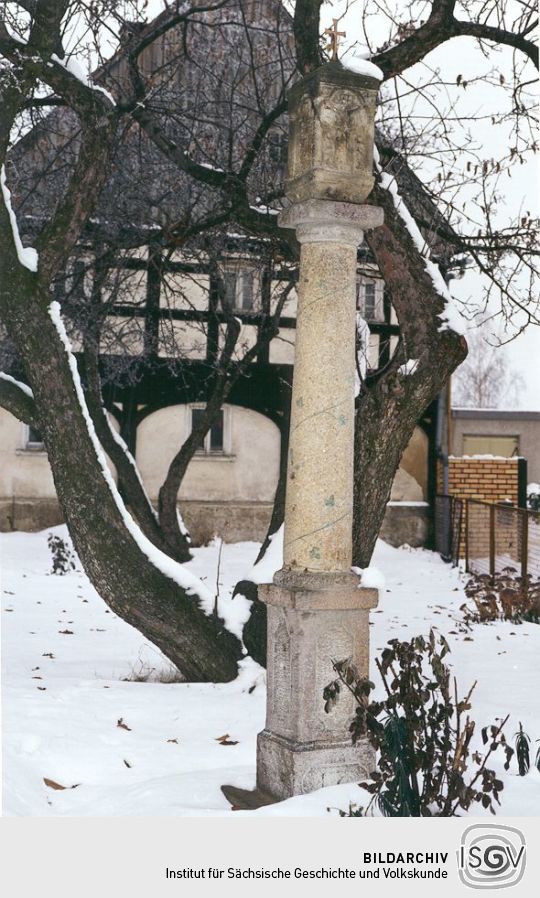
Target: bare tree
<point>215,147</point>
<point>486,379</point>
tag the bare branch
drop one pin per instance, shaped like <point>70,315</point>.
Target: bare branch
<point>440,27</point>
<point>17,400</point>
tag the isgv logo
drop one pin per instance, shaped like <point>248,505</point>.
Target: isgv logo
<point>491,856</point>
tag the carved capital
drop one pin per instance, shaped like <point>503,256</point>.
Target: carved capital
<point>325,221</point>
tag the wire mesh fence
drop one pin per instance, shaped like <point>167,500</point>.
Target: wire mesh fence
<point>479,537</point>
<point>489,537</point>
<point>533,539</point>
<point>448,526</point>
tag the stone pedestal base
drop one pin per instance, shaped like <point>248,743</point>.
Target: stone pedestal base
<point>313,619</point>
<point>286,768</point>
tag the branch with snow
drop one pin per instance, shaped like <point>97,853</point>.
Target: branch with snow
<point>27,255</point>
<point>363,335</point>
<point>451,318</point>
<point>263,570</point>
<point>167,566</point>
<point>408,368</point>
<point>74,67</point>
<point>18,399</point>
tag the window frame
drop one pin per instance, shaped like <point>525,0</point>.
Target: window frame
<point>491,436</point>
<point>239,272</point>
<point>28,445</point>
<point>362,282</point>
<point>206,451</point>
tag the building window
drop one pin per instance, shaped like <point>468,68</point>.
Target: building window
<point>368,300</point>
<point>239,290</point>
<point>503,446</point>
<point>33,441</point>
<point>277,144</point>
<point>214,441</point>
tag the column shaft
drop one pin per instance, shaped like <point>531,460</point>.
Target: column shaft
<point>318,516</point>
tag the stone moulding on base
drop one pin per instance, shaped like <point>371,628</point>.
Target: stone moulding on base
<point>286,768</point>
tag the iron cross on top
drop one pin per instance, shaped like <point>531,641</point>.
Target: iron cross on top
<point>334,36</point>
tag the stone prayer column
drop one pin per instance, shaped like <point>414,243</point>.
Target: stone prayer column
<point>316,610</point>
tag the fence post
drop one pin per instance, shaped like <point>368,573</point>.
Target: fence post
<point>466,503</point>
<point>492,510</point>
<point>524,550</point>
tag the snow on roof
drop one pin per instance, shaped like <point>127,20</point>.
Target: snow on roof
<point>494,412</point>
<point>409,502</point>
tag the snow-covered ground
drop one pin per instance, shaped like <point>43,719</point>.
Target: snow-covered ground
<point>82,705</point>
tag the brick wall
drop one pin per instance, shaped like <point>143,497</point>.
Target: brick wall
<point>489,479</point>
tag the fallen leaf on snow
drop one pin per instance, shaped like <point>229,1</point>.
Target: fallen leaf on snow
<point>52,784</point>
<point>225,740</point>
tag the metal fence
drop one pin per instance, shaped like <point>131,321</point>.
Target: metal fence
<point>448,526</point>
<point>488,536</point>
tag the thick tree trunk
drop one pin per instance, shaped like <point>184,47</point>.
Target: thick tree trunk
<point>383,430</point>
<point>130,583</point>
<point>390,408</point>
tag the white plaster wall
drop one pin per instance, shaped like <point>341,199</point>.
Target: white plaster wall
<point>282,347</point>
<point>410,482</point>
<point>184,291</point>
<point>248,474</point>
<point>25,473</point>
<point>183,339</point>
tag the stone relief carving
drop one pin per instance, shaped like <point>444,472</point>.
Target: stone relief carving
<point>331,144</point>
<point>282,678</point>
<point>334,643</point>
